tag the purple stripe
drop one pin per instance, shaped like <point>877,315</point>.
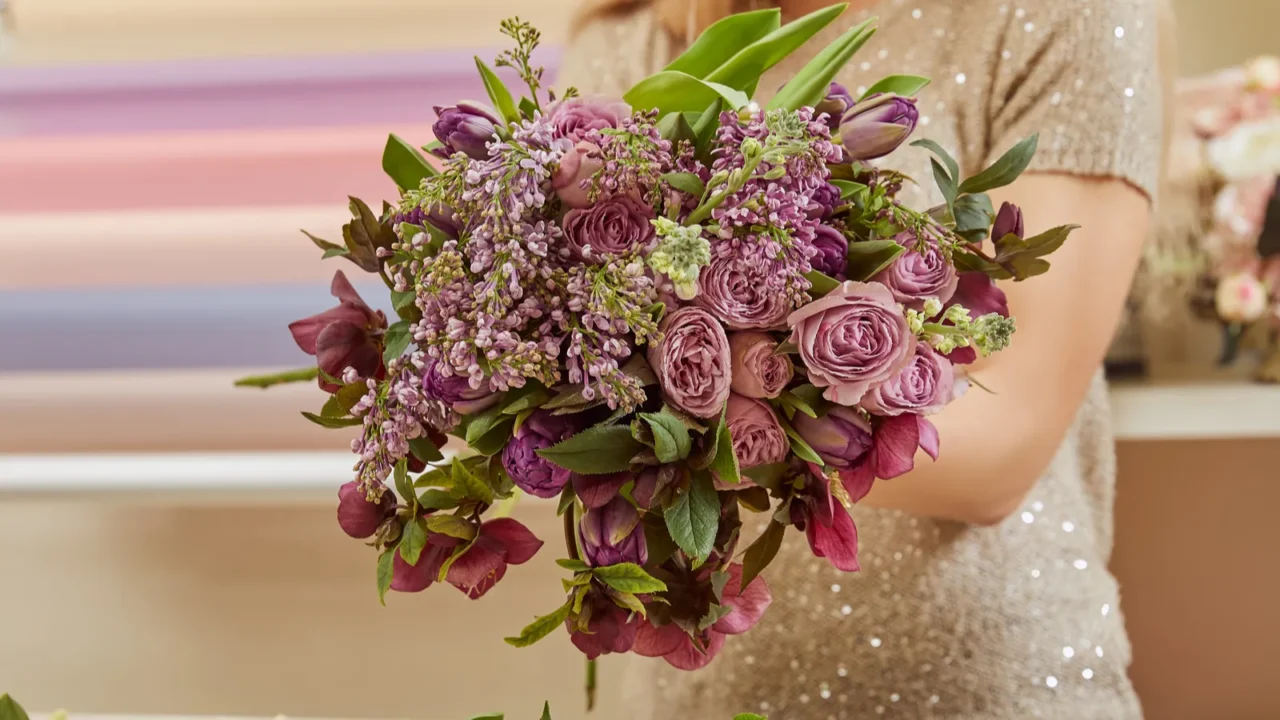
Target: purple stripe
<point>238,93</point>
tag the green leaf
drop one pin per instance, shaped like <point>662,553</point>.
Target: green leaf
<point>571,564</point>
<point>385,564</point>
<point>546,711</point>
<point>566,500</point>
<point>791,399</point>
<point>809,86</point>
<point>437,500</point>
<point>397,340</point>
<point>335,252</point>
<point>743,70</point>
<point>671,441</point>
<point>402,300</point>
<point>451,525</point>
<point>821,284</point>
<point>946,184</point>
<point>848,188</point>
<point>413,540</point>
<point>705,129</point>
<point>595,451</point>
<point>1005,170</point>
<point>490,716</point>
<point>798,445</point>
<point>762,551</point>
<point>695,517</point>
<point>629,578</point>
<point>753,498</point>
<point>685,182</point>
<point>498,93</point>
<point>533,397</point>
<point>528,108</point>
<point>404,164</point>
<point>669,91</point>
<point>280,378</point>
<point>479,425</point>
<point>458,552</point>
<point>326,246</point>
<point>725,462</point>
<point>769,475</point>
<point>404,487</point>
<point>468,485</point>
<point>541,627</point>
<point>425,450</point>
<point>953,167</point>
<point>749,716</point>
<point>723,39</point>
<point>973,213</point>
<point>869,257</point>
<point>904,85</point>
<point>332,422</point>
<point>677,127</point>
<point>10,709</point>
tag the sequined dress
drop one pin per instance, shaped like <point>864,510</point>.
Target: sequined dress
<point>1020,620</point>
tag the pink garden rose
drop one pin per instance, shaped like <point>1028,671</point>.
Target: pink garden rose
<point>610,227</point>
<point>576,169</point>
<point>758,438</point>
<point>915,276</point>
<point>692,362</point>
<point>757,371</point>
<point>923,387</point>
<point>575,117</point>
<point>738,292</point>
<point>851,340</point>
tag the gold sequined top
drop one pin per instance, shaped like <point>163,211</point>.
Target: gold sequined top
<point>1020,620</point>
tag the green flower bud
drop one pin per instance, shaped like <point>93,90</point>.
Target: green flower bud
<point>932,306</point>
<point>992,333</point>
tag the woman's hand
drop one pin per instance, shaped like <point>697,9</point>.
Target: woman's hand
<point>996,446</point>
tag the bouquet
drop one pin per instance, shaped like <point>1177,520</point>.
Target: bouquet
<point>1240,285</point>
<point>658,311</point>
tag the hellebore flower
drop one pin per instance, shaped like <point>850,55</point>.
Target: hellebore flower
<point>610,628</point>
<point>826,523</point>
<point>674,645</point>
<point>499,543</point>
<point>358,517</point>
<point>344,336</point>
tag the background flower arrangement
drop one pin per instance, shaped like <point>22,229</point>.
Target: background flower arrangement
<point>661,310</point>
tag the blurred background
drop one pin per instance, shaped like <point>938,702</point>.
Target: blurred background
<point>167,543</point>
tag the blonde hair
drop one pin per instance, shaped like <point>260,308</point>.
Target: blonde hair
<point>681,18</point>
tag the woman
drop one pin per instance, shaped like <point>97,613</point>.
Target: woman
<point>984,589</point>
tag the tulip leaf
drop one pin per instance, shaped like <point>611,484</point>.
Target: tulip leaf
<point>743,70</point>
<point>498,93</point>
<point>414,540</point>
<point>541,627</point>
<point>546,711</point>
<point>629,578</point>
<point>332,422</point>
<point>451,525</point>
<point>671,440</point>
<point>849,188</point>
<point>762,551</point>
<point>425,450</point>
<point>1005,170</point>
<point>694,519</point>
<point>705,129</point>
<point>288,376</point>
<point>868,258</point>
<point>685,182</point>
<point>810,85</point>
<point>670,91</point>
<point>790,399</point>
<point>722,40</point>
<point>467,484</point>
<point>820,283</point>
<point>595,451</point>
<point>397,340</point>
<point>678,127</point>
<point>904,85</point>
<point>404,164</point>
<point>437,500</point>
<point>386,563</point>
<point>724,464</point>
<point>798,445</point>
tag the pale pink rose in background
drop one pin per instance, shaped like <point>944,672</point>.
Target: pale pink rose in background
<point>1263,73</point>
<point>1241,298</point>
<point>1241,207</point>
<point>757,371</point>
<point>852,339</point>
<point>758,438</point>
<point>1251,149</point>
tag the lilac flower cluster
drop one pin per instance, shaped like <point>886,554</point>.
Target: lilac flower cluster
<point>395,411</point>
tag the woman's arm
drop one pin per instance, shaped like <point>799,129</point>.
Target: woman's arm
<point>996,446</point>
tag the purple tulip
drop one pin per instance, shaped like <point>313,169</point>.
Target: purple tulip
<point>456,390</point>
<point>835,105</point>
<point>1008,222</point>
<point>529,470</point>
<point>841,436</point>
<point>358,517</point>
<point>343,337</point>
<point>833,249</point>
<point>467,127</point>
<point>876,126</point>
<point>613,534</point>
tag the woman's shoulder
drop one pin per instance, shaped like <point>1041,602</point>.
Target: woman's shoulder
<point>609,51</point>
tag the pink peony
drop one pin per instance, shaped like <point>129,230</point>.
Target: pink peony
<point>736,291</point>
<point>758,438</point>
<point>915,276</point>
<point>852,339</point>
<point>675,646</point>
<point>610,227</point>
<point>924,386</point>
<point>757,371</point>
<point>692,362</point>
<point>571,180</point>
<point>575,117</point>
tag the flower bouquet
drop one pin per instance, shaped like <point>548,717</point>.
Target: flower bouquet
<point>659,312</point>
<point>1240,286</point>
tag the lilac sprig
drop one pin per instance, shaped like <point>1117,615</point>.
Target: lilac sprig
<point>635,157</point>
<point>395,411</point>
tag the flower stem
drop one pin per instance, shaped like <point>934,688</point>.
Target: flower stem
<point>591,685</point>
<point>288,376</point>
<point>570,536</point>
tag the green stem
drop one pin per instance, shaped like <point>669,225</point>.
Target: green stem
<point>280,378</point>
<point>591,685</point>
<point>703,211</point>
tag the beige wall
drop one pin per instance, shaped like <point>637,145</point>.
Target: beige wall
<point>1218,33</point>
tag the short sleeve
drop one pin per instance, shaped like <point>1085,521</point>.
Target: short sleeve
<point>611,52</point>
<point>1084,75</point>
